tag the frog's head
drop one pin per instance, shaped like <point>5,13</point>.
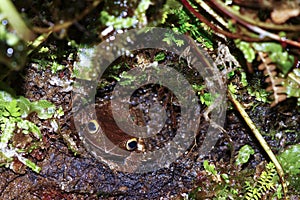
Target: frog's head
<point>103,124</point>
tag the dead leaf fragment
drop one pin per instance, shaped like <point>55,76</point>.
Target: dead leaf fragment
<point>280,16</point>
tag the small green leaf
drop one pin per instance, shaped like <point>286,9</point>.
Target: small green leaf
<point>160,56</point>
<point>34,129</point>
<point>209,167</point>
<point>225,177</point>
<point>244,79</point>
<point>7,132</point>
<point>59,112</point>
<point>206,99</point>
<point>179,42</point>
<point>57,67</point>
<point>232,88</point>
<point>29,164</point>
<point>244,154</point>
<point>24,105</point>
<point>5,113</point>
<point>230,74</point>
<point>283,60</point>
<point>23,125</point>
<point>292,84</point>
<point>198,88</point>
<point>289,159</point>
<point>43,108</point>
<point>247,50</point>
<point>13,109</point>
<point>28,126</point>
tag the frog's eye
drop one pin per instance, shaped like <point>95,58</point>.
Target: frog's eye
<point>131,144</point>
<point>93,126</point>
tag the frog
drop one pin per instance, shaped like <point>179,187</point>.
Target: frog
<point>105,120</point>
<point>103,138</point>
<point>106,140</point>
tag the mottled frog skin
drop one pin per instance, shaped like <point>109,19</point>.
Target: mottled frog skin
<point>112,130</point>
<point>122,151</point>
<point>105,140</point>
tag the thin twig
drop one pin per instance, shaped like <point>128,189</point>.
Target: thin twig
<point>269,26</point>
<point>215,28</point>
<point>262,33</point>
<point>37,42</point>
<point>10,12</point>
<point>66,24</point>
<point>261,140</point>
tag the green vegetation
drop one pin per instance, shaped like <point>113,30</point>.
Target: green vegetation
<point>48,59</point>
<point>289,159</point>
<point>283,60</point>
<point>244,154</point>
<point>239,84</point>
<point>160,56</point>
<point>277,64</point>
<point>14,124</point>
<point>269,49</point>
<point>234,183</point>
<point>291,84</point>
<point>266,182</point>
<point>180,20</point>
<point>137,20</point>
<point>205,97</point>
<point>170,38</point>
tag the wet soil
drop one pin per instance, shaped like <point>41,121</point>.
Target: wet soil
<point>69,175</point>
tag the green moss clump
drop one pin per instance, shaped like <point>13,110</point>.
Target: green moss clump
<point>18,135</point>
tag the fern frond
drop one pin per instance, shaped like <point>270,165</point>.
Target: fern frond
<point>265,183</point>
<point>269,68</point>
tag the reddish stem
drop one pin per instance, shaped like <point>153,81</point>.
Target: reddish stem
<point>214,27</point>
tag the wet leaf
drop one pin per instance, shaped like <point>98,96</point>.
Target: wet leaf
<point>275,51</point>
<point>29,164</point>
<point>7,129</point>
<point>247,50</point>
<point>43,108</point>
<point>13,109</point>
<point>29,127</point>
<point>24,105</point>
<point>160,56</point>
<point>289,160</point>
<point>244,154</point>
<point>209,167</point>
<point>206,99</point>
<point>292,84</point>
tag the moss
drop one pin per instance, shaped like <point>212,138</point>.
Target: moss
<point>18,135</point>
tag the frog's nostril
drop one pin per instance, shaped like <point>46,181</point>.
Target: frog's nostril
<point>131,144</point>
<point>93,126</point>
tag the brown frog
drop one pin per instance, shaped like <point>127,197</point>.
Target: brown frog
<point>112,131</point>
<point>105,140</point>
<point>110,144</point>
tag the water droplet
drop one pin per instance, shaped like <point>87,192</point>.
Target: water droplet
<point>124,14</point>
<point>9,52</point>
<point>112,38</point>
<point>4,22</point>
